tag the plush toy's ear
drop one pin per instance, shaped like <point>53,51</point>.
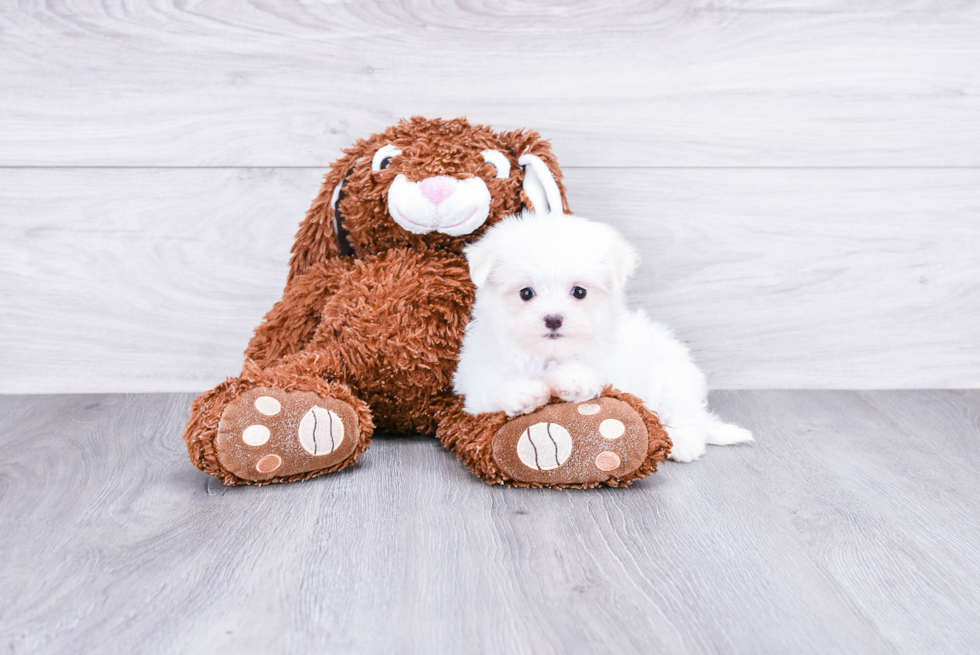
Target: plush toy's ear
<point>321,235</point>
<point>543,188</point>
<point>540,186</point>
<point>480,257</point>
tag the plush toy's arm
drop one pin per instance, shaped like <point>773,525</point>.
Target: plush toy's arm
<point>290,324</point>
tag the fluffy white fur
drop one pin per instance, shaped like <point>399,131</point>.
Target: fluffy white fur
<point>512,361</point>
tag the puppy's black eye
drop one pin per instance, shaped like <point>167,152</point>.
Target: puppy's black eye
<point>384,163</point>
<point>578,292</point>
<point>527,293</point>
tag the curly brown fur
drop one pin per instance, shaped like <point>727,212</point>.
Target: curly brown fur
<point>290,324</point>
<point>392,334</point>
<point>383,324</point>
<point>471,438</point>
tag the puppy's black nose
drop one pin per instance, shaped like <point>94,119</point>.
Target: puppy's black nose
<point>553,321</point>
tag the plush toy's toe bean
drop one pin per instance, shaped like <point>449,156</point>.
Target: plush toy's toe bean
<point>255,435</point>
<point>607,461</point>
<point>268,405</point>
<point>268,464</point>
<point>612,428</point>
<point>268,433</point>
<point>572,444</point>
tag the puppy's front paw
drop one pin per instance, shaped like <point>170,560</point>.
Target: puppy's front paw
<point>689,443</point>
<point>524,397</point>
<point>574,384</point>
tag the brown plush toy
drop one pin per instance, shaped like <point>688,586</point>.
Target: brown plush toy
<point>370,324</point>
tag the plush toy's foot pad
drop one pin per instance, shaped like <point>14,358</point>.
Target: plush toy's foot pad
<point>573,443</point>
<point>267,433</point>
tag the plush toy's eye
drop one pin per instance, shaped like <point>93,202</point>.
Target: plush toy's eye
<point>384,155</point>
<point>499,161</point>
<point>527,293</point>
<point>578,292</point>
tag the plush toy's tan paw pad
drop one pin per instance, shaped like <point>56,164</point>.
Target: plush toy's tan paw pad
<point>267,433</point>
<point>573,443</point>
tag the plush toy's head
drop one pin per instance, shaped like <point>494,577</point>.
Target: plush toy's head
<point>426,183</point>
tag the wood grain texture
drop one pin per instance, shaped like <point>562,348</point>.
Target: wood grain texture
<point>152,280</point>
<point>677,83</point>
<point>849,526</point>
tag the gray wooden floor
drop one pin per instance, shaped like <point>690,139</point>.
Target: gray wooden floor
<point>851,525</point>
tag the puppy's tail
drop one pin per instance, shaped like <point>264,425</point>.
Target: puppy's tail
<point>723,434</point>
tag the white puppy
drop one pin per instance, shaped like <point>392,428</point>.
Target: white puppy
<point>550,319</point>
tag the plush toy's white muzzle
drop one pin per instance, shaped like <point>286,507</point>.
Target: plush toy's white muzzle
<point>439,204</point>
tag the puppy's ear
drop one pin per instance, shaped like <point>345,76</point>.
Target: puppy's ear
<point>480,256</point>
<point>624,258</point>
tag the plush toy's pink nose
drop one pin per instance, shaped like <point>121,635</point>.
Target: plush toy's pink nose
<point>437,189</point>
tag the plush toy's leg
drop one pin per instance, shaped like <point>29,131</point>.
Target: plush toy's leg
<point>612,440</point>
<point>276,425</point>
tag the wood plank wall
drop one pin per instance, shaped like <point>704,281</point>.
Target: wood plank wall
<point>802,176</point>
